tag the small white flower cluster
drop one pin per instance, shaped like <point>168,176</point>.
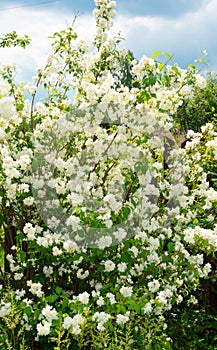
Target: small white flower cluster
<point>74,323</point>
<point>104,13</point>
<point>35,288</point>
<point>49,314</point>
<point>15,267</point>
<point>153,286</point>
<point>5,309</point>
<point>126,292</point>
<point>122,319</point>
<point>101,318</point>
<point>43,328</point>
<point>109,265</point>
<point>83,298</point>
<point>200,81</point>
<point>7,111</point>
<point>191,236</point>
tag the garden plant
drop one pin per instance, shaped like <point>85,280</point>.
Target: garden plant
<point>108,226</point>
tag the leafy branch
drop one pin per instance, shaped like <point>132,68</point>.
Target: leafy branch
<point>12,39</point>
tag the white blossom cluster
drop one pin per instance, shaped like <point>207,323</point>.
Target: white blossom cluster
<point>99,228</point>
<point>5,309</point>
<point>209,236</point>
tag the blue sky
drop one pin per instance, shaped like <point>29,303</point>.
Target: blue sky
<point>182,27</point>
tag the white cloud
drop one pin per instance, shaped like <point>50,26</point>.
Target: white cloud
<point>185,36</point>
<point>163,8</point>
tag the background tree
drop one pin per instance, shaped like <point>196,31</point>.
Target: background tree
<point>200,108</point>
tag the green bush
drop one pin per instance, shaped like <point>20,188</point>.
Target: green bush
<point>200,108</point>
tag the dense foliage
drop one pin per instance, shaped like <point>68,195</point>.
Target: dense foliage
<point>109,228</point>
<point>199,109</point>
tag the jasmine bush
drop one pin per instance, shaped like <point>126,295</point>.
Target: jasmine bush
<point>109,226</point>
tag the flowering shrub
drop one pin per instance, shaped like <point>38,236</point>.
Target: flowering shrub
<point>107,223</point>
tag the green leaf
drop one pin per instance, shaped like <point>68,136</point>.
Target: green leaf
<point>52,298</point>
<point>161,66</point>
<point>168,55</point>
<point>138,308</point>
<point>28,311</point>
<point>171,247</point>
<point>64,303</point>
<point>156,53</point>
<point>58,290</point>
<point>176,70</point>
<point>37,314</point>
<point>152,80</point>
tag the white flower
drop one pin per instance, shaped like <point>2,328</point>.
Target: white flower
<point>38,183</point>
<point>122,267</point>
<point>29,89</point>
<point>18,276</point>
<point>43,241</point>
<point>43,329</point>
<point>101,317</point>
<point>2,134</point>
<point>153,286</point>
<point>7,108</point>
<point>120,234</point>
<point>5,309</point>
<point>100,301</point>
<point>112,202</point>
<point>24,161</point>
<point>56,251</point>
<point>81,274</point>
<point>70,246</point>
<point>83,298</point>
<point>111,298</point>
<point>76,330</point>
<point>109,265</point>
<point>192,300</point>
<point>73,323</point>
<point>35,288</point>
<point>121,319</point>
<point>28,201</point>
<point>126,291</point>
<point>30,231</point>
<point>12,173</point>
<point>48,270</point>
<point>148,308</point>
<point>104,241</point>
<point>77,320</point>
<point>49,313</point>
<point>73,222</point>
<point>207,269</point>
<point>23,188</point>
<point>68,322</point>
<point>20,294</point>
<point>100,327</point>
<point>134,250</point>
<point>162,297</point>
<point>200,81</point>
<point>4,88</point>
<point>111,4</point>
<point>154,243</point>
<point>179,299</point>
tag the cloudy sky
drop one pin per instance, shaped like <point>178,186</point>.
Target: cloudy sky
<point>181,27</point>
